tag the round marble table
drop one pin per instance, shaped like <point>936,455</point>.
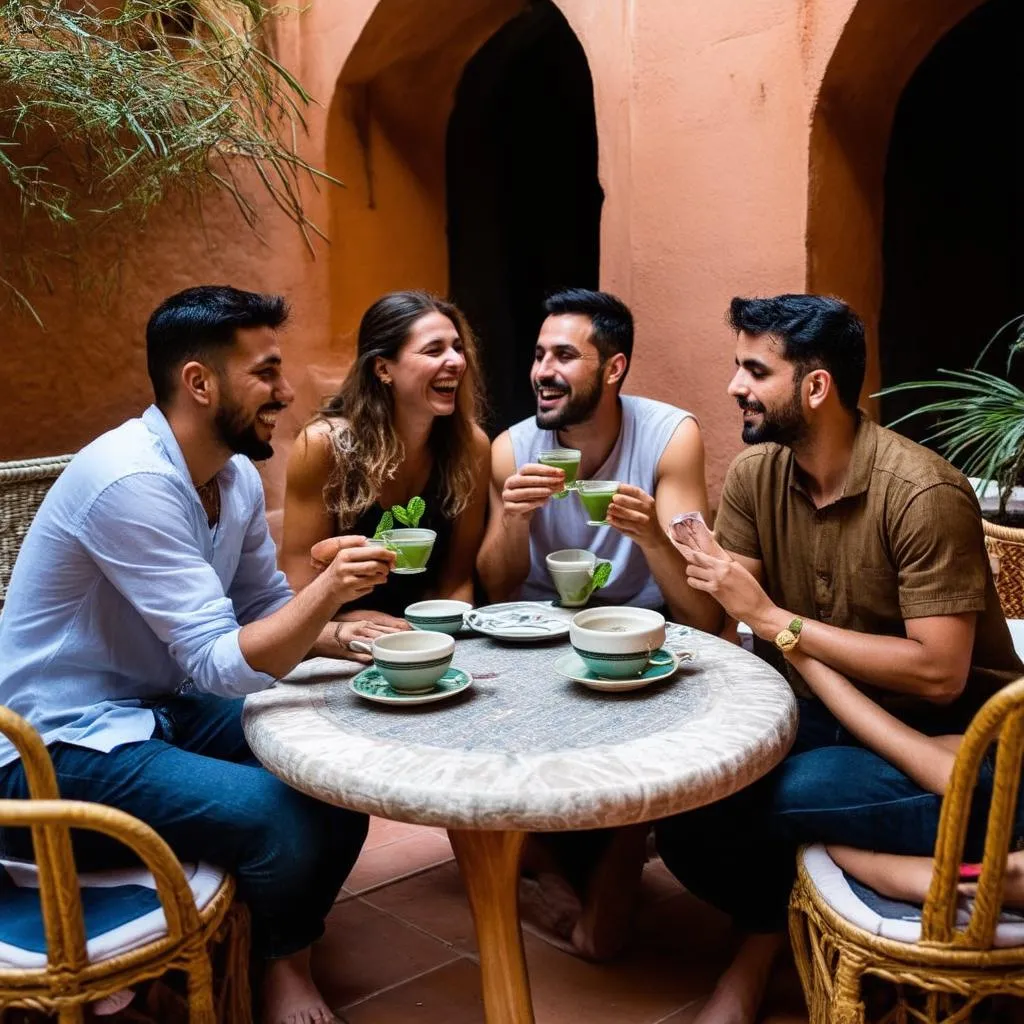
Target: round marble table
<point>525,750</point>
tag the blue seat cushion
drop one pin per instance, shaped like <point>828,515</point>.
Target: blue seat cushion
<point>106,908</point>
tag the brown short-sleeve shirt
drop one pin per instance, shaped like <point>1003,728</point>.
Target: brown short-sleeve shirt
<point>904,541</point>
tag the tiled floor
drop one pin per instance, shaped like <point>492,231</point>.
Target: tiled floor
<point>400,949</point>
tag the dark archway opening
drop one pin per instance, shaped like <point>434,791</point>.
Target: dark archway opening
<point>524,201</point>
<point>953,208</point>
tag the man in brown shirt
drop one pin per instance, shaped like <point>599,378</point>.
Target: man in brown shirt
<point>866,550</point>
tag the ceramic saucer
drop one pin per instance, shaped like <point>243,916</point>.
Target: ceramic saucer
<point>517,620</point>
<point>572,666</point>
<point>373,686</point>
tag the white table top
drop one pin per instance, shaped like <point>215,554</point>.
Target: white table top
<point>524,748</point>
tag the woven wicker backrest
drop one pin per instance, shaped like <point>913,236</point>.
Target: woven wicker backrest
<point>1000,719</point>
<point>23,485</point>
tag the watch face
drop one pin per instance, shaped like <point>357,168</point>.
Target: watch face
<point>785,640</point>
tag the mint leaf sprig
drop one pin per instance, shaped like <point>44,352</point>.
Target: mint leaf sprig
<point>408,515</point>
<point>412,513</point>
<point>387,522</point>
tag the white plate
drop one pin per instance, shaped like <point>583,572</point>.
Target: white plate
<point>573,667</point>
<point>518,620</point>
<point>371,685</point>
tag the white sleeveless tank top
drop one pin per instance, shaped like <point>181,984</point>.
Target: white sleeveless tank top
<point>647,426</point>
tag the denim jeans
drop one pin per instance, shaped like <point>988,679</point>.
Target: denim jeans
<point>198,785</point>
<point>740,854</point>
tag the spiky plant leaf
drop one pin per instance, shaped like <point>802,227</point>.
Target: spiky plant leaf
<point>602,573</point>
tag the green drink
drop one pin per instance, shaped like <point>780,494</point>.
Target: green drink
<point>596,496</point>
<point>565,459</point>
<point>412,549</point>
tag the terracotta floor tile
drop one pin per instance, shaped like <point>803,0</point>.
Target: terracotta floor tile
<point>383,832</point>
<point>448,995</point>
<point>394,860</point>
<point>434,901</point>
<point>683,928</point>
<point>638,988</point>
<point>784,1002</point>
<point>366,950</point>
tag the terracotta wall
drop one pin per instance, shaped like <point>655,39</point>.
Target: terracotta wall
<point>723,174</point>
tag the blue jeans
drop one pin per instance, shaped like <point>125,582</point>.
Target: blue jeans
<point>740,854</point>
<point>198,785</point>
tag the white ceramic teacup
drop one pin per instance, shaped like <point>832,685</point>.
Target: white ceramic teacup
<point>572,571</point>
<point>617,643</point>
<point>441,616</point>
<point>411,662</point>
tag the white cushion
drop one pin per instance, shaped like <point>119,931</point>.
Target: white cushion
<point>1017,633</point>
<point>888,918</point>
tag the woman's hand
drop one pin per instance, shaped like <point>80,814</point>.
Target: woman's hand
<point>361,626</point>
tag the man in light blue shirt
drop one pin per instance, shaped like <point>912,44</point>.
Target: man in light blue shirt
<point>146,602</point>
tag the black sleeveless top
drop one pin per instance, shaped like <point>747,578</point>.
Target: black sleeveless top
<point>400,590</point>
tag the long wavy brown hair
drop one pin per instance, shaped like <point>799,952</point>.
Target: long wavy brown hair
<point>367,449</point>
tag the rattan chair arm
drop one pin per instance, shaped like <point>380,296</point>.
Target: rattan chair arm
<point>62,909</point>
<point>39,774</point>
<point>1000,718</point>
<point>171,885</point>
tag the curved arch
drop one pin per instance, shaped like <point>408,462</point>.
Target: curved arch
<point>881,45</point>
<point>386,140</point>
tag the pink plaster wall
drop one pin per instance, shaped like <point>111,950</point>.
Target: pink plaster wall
<point>705,116</point>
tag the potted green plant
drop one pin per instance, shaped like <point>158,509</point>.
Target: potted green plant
<point>980,429</point>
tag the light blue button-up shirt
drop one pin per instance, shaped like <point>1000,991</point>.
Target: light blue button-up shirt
<point>122,594</point>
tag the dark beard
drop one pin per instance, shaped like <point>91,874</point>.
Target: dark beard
<point>239,435</point>
<point>578,409</point>
<point>785,426</point>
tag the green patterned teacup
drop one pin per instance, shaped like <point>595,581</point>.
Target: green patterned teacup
<point>617,643</point>
<point>411,662</point>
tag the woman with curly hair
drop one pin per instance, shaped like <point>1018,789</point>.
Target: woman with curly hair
<point>402,425</point>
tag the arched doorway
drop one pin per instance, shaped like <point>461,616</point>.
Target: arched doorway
<point>523,197</point>
<point>954,214</point>
<point>880,48</point>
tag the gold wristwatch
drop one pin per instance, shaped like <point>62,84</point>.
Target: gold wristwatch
<point>786,639</point>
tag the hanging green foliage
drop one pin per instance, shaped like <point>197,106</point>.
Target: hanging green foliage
<point>106,109</point>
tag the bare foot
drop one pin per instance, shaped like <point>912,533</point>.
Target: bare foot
<point>740,990</point>
<point>290,995</point>
<point>603,927</point>
<point>550,904</point>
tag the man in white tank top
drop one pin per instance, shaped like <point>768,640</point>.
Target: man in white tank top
<point>655,450</point>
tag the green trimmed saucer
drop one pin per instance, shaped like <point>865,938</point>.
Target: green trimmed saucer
<point>373,686</point>
<point>573,667</point>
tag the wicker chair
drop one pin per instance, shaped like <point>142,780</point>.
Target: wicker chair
<point>1005,545</point>
<point>23,485</point>
<point>76,967</point>
<point>941,973</point>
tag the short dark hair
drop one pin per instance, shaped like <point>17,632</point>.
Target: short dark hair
<point>817,332</point>
<point>610,316</point>
<point>199,323</point>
